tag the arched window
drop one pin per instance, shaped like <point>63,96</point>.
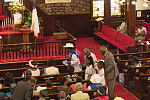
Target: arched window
<point>98,8</point>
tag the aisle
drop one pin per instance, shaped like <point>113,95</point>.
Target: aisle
<point>82,43</point>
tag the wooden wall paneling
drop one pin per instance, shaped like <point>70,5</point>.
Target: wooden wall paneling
<point>145,15</point>
<point>78,25</point>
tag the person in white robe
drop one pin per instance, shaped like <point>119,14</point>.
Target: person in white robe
<point>90,70</point>
<point>73,59</point>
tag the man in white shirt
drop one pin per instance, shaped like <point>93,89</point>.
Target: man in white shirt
<point>123,27</point>
<point>141,33</point>
<point>51,69</point>
<point>73,59</point>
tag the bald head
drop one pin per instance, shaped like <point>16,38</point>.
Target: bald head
<point>103,50</point>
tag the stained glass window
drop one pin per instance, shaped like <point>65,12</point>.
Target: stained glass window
<point>98,8</point>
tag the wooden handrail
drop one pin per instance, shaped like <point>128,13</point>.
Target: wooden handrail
<point>35,43</point>
<point>67,32</point>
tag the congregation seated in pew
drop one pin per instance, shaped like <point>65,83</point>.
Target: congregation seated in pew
<point>8,82</point>
<point>62,96</point>
<point>123,27</point>
<point>51,69</point>
<point>141,33</point>
<point>49,90</point>
<point>63,84</point>
<point>135,62</point>
<point>79,80</point>
<point>71,76</point>
<point>79,95</point>
<point>33,68</point>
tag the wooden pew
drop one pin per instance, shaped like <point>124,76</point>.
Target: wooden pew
<point>5,89</point>
<point>121,63</point>
<point>130,73</point>
<point>41,77</point>
<point>18,71</point>
<point>148,87</point>
<point>124,56</point>
<point>121,59</point>
<point>141,84</point>
<point>55,95</point>
<point>69,83</point>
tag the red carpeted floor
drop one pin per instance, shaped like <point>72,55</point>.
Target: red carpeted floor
<point>89,42</point>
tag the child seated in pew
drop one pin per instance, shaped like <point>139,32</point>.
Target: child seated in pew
<point>71,77</point>
<point>33,68</point>
<point>90,68</point>
<point>51,69</point>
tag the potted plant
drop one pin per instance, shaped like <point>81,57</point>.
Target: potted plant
<point>16,8</point>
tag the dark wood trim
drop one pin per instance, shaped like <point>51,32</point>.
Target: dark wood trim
<point>107,12</point>
<point>131,19</point>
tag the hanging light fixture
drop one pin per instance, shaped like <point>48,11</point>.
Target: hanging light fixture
<point>146,0</point>
<point>133,2</point>
<point>145,5</point>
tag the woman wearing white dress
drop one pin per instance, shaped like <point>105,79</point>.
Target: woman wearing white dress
<point>33,68</point>
<point>90,69</point>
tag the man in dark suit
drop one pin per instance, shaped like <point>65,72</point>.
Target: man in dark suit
<point>23,90</point>
<point>111,71</point>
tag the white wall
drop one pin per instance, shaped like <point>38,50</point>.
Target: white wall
<point>139,5</point>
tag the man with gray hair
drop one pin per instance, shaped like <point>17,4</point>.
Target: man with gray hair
<point>111,71</point>
<point>88,54</point>
<point>79,95</point>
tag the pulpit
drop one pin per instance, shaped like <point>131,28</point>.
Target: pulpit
<point>25,32</point>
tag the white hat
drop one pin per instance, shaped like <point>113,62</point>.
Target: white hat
<point>69,45</point>
<point>31,65</point>
<point>118,98</point>
<point>95,78</point>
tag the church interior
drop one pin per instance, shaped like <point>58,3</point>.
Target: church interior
<point>35,32</point>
